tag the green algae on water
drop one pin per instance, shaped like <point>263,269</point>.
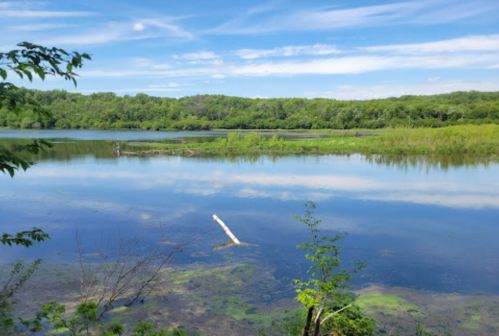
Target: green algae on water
<point>387,304</point>
<point>471,325</point>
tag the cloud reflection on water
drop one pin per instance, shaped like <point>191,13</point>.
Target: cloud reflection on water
<point>450,192</point>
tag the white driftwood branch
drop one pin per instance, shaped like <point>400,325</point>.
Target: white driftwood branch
<point>336,312</point>
<point>226,229</point>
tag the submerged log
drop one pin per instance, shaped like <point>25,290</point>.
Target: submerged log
<point>158,151</point>
<point>229,244</point>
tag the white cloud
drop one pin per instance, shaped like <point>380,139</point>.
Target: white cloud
<point>98,37</point>
<point>434,79</point>
<point>263,8</point>
<point>25,9</point>
<point>141,62</point>
<point>323,66</point>
<point>40,26</point>
<point>201,55</point>
<point>468,43</point>
<point>317,49</point>
<point>123,31</point>
<point>148,89</point>
<point>217,63</point>
<point>41,14</point>
<point>139,26</point>
<point>454,10</point>
<point>354,92</point>
<point>363,64</point>
<point>170,85</point>
<point>166,26</point>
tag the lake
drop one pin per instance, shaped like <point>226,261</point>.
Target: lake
<point>427,225</point>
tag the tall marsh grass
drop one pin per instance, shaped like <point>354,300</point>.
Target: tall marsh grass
<point>457,139</point>
<point>472,139</point>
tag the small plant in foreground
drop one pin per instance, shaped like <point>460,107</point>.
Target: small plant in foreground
<point>18,276</point>
<point>330,307</point>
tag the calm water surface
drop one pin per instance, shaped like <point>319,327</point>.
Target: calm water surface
<point>421,222</point>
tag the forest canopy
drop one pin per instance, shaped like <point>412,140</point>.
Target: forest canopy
<point>204,112</point>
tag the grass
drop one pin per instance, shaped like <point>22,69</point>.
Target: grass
<point>472,139</point>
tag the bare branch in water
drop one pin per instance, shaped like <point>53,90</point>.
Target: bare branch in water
<point>128,269</point>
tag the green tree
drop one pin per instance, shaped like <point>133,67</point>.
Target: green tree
<point>29,61</point>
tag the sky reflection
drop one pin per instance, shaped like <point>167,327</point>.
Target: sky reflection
<point>437,225</point>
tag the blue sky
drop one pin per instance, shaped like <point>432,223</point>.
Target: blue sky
<point>333,49</point>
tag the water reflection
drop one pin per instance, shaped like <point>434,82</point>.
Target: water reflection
<point>429,162</point>
<point>435,215</point>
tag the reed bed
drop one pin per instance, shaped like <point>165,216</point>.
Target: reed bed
<point>473,139</point>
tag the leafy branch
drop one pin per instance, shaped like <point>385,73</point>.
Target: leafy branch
<point>32,60</point>
<point>24,238</point>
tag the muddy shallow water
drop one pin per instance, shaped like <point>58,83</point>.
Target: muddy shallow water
<point>427,226</point>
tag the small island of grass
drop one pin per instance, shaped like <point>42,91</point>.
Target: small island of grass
<point>470,139</point>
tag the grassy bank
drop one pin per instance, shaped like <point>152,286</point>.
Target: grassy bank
<point>472,139</point>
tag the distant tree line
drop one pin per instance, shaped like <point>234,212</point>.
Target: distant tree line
<point>204,112</point>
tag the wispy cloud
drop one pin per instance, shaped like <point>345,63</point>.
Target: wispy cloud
<point>468,43</point>
<point>363,64</point>
<point>347,92</point>
<point>169,85</point>
<point>40,26</point>
<point>142,62</point>
<point>167,26</point>
<point>147,89</point>
<point>434,79</point>
<point>324,18</point>
<point>200,55</point>
<point>268,7</point>
<point>24,9</point>
<point>124,31</point>
<point>323,66</point>
<point>41,14</point>
<point>317,49</point>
